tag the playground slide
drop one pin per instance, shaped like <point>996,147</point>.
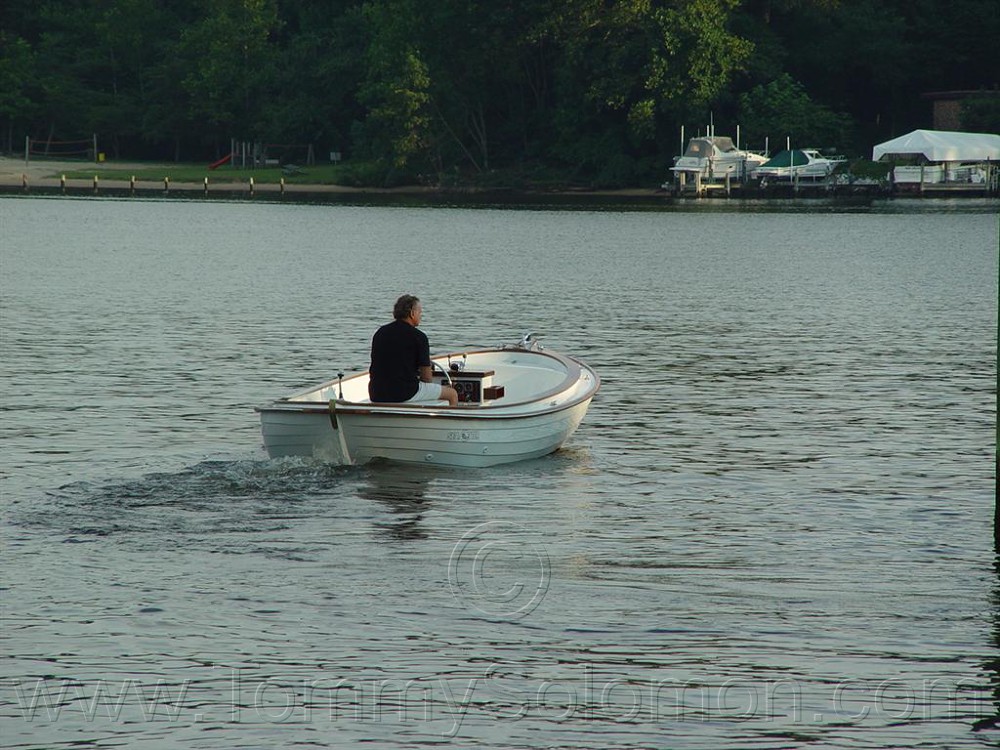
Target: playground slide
<point>220,162</point>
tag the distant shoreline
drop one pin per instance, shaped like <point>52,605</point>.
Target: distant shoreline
<point>47,178</point>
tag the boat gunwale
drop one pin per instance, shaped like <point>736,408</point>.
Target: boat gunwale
<point>426,412</point>
<point>574,369</point>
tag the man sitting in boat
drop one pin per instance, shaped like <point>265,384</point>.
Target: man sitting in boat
<point>401,359</point>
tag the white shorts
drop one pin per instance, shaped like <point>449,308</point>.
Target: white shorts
<point>426,392</point>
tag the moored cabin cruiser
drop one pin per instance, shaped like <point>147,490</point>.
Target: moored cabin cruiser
<point>714,157</point>
<point>806,163</point>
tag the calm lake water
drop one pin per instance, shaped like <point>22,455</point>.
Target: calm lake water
<point>772,530</point>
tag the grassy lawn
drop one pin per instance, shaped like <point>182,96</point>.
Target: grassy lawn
<point>321,174</point>
<point>352,173</point>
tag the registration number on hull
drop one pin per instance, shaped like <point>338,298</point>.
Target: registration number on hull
<point>464,436</point>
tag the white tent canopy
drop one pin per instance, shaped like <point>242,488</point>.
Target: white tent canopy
<point>942,145</point>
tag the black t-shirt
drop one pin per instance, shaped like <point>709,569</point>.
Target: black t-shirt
<point>398,349</point>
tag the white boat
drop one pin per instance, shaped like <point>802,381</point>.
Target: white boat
<point>805,163</point>
<point>516,403</point>
<point>714,157</point>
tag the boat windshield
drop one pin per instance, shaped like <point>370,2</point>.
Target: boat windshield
<point>698,148</point>
<point>703,147</point>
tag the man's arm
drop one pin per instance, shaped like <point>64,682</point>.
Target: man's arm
<point>425,374</point>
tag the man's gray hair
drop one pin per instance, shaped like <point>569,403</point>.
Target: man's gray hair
<point>404,306</point>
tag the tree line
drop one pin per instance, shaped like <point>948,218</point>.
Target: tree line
<point>578,91</point>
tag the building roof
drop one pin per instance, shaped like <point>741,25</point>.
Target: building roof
<point>942,145</point>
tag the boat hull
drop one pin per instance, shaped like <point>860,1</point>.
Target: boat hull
<point>308,433</point>
<point>718,168</point>
<point>806,164</point>
<point>811,171</point>
<point>468,442</point>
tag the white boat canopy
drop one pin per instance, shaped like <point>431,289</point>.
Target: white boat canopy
<point>942,145</point>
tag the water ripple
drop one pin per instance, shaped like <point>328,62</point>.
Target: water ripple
<point>769,532</point>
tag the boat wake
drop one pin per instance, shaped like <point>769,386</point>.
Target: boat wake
<point>209,498</point>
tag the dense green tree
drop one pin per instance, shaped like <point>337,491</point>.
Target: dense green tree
<point>628,68</point>
<point>395,85</point>
<point>69,75</point>
<point>782,110</point>
<point>478,83</point>
<point>982,114</point>
<point>227,53</point>
<point>592,90</point>
<point>848,54</point>
<point>311,90</point>
<point>17,74</point>
<point>125,48</point>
